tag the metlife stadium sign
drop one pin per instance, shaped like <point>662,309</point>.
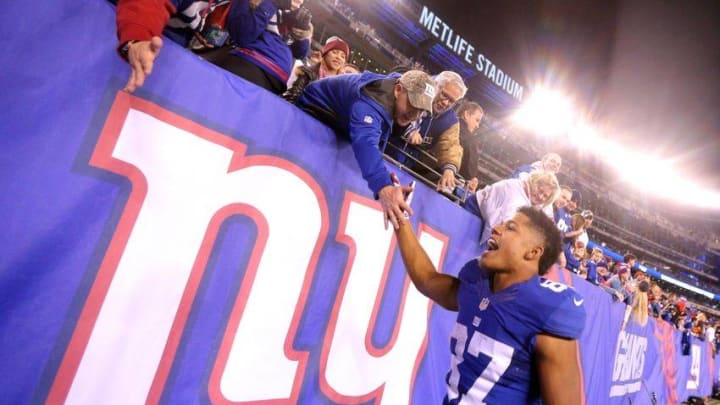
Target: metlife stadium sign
<point>467,52</point>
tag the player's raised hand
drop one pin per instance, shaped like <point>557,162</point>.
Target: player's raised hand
<point>392,200</point>
<point>393,204</point>
<point>141,57</point>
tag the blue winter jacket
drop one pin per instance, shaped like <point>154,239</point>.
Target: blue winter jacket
<point>266,49</point>
<point>248,30</point>
<point>339,102</point>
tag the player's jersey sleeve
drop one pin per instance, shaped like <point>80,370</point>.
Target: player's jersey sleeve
<point>566,313</point>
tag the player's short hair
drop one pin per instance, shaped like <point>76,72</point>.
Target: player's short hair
<point>552,241</point>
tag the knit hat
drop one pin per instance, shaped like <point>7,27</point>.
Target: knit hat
<point>336,43</point>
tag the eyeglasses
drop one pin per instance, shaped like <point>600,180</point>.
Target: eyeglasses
<point>444,96</point>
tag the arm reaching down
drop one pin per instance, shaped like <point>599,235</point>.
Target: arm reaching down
<point>439,287</point>
<point>141,56</point>
<point>139,26</point>
<point>394,205</point>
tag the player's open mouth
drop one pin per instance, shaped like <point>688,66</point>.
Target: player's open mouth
<point>492,244</point>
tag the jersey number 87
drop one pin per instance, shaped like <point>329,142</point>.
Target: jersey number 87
<point>500,356</point>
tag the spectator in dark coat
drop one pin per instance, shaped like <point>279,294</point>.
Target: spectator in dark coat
<point>334,54</point>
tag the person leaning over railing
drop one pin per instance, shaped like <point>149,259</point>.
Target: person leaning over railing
<point>364,109</point>
<point>439,132</point>
<point>498,202</point>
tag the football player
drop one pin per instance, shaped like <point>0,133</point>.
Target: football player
<point>515,338</point>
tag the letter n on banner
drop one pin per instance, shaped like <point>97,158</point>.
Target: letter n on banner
<point>186,180</point>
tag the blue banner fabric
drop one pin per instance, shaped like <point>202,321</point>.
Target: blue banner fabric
<point>203,241</point>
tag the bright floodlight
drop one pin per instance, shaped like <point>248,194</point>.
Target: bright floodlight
<point>660,177</point>
<point>585,137</point>
<point>546,112</point>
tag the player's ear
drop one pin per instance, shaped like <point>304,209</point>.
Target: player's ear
<point>534,253</point>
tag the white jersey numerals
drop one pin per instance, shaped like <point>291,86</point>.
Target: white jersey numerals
<point>500,357</point>
<point>554,286</point>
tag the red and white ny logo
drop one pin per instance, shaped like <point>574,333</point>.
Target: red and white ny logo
<point>186,181</point>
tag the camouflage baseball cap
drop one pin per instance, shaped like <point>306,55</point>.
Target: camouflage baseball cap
<point>420,87</point>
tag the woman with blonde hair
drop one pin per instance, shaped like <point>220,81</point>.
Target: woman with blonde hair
<point>499,201</point>
<point>640,303</point>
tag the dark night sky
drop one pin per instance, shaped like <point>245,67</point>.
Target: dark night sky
<point>648,71</point>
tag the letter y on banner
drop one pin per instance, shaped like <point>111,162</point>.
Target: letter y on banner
<point>353,370</point>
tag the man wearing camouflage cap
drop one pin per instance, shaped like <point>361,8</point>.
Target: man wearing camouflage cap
<point>363,108</point>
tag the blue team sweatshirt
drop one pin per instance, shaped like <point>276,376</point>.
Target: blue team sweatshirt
<point>266,49</point>
<point>341,104</point>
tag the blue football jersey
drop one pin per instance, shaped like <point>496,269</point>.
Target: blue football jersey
<point>563,219</point>
<point>493,340</point>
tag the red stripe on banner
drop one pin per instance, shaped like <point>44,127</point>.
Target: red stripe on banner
<point>325,387</point>
<point>100,158</point>
<point>664,334</point>
<point>711,364</point>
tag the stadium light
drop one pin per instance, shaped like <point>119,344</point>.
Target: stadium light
<point>585,137</point>
<point>546,112</point>
<point>658,177</point>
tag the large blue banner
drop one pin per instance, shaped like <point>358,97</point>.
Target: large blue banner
<point>204,241</point>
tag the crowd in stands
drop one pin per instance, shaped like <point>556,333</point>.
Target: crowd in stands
<point>423,123</point>
<point>499,154</point>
